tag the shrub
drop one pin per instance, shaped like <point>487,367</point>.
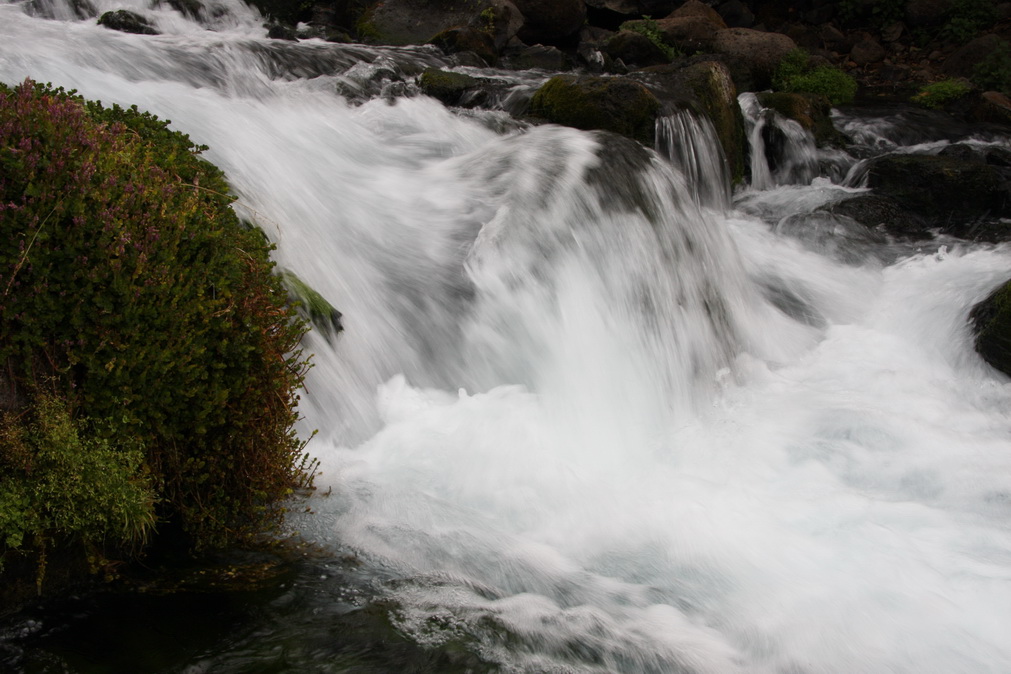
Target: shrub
<point>795,75</point>
<point>938,94</point>
<point>967,18</point>
<point>129,290</point>
<point>649,28</point>
<point>993,73</point>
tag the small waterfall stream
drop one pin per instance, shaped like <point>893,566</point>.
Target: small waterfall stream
<point>589,413</point>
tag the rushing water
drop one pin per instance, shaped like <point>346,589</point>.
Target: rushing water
<point>587,415</point>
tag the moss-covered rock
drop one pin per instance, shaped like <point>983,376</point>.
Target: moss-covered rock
<point>991,320</point>
<point>446,86</point>
<point>811,111</point>
<point>707,88</point>
<point>126,21</point>
<point>140,324</point>
<point>614,104</point>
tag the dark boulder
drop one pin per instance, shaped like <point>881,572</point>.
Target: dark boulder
<point>126,21</point>
<point>991,321</point>
<point>467,39</point>
<point>537,56</point>
<point>752,55</point>
<point>404,22</point>
<point>954,194</point>
<point>635,49</point>
<point>614,104</point>
<point>550,21</point>
<point>883,214</point>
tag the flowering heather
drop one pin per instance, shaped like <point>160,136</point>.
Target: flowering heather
<point>130,291</point>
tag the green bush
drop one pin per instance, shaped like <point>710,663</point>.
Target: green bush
<point>649,28</point>
<point>993,73</point>
<point>967,18</point>
<point>63,482</point>
<point>795,75</point>
<point>129,290</point>
<point>938,94</point>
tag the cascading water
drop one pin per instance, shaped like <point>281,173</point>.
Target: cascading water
<point>582,420</point>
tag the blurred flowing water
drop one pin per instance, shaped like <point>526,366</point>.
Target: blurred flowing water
<point>588,414</point>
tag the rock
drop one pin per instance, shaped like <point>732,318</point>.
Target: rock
<point>539,57</point>
<point>280,31</point>
<point>867,51</point>
<point>467,39</point>
<point>635,49</point>
<point>736,14</point>
<point>697,9</point>
<point>963,61</point>
<point>446,86</point>
<point>708,89</point>
<point>811,111</point>
<point>636,8</point>
<point>991,321</point>
<point>752,55</point>
<point>950,193</point>
<point>550,21</point>
<point>920,13</point>
<point>993,107</point>
<point>615,104</point>
<point>884,214</point>
<point>403,22</point>
<point>691,34</point>
<point>127,22</point>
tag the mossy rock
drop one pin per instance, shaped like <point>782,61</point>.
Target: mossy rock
<point>446,86</point>
<point>706,87</point>
<point>991,320</point>
<point>456,40</point>
<point>312,306</point>
<point>615,104</point>
<point>126,21</point>
<point>811,111</point>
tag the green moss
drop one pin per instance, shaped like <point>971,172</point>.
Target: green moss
<point>795,74</point>
<point>129,289</point>
<point>606,103</point>
<point>939,94</point>
<point>312,306</point>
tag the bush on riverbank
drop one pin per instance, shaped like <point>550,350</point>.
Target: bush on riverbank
<point>146,347</point>
<point>795,74</point>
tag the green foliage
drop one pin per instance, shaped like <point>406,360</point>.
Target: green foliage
<point>967,18</point>
<point>993,73</point>
<point>63,481</point>
<point>939,94</point>
<point>795,74</point>
<point>650,29</point>
<point>128,285</point>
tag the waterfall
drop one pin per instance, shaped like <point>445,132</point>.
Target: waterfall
<point>692,144</point>
<point>588,415</point>
<point>782,152</point>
